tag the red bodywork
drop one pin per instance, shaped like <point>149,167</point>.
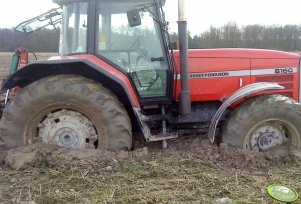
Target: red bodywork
<point>216,73</point>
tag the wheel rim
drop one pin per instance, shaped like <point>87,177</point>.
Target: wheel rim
<point>68,128</point>
<point>269,134</point>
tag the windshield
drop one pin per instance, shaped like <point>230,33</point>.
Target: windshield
<point>74,28</point>
<point>137,50</point>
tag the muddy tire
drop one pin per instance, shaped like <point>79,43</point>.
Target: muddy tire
<point>264,122</point>
<point>66,110</point>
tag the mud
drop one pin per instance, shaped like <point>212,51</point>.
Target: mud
<point>48,155</point>
<point>223,156</point>
<point>243,159</point>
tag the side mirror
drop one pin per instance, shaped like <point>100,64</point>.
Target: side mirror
<point>134,18</point>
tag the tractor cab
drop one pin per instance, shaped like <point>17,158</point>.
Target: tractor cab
<point>126,34</point>
<point>129,35</point>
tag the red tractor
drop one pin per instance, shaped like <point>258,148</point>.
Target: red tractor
<point>117,77</point>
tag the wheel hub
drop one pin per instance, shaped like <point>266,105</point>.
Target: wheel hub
<point>67,136</point>
<point>268,136</point>
<point>69,129</point>
<point>66,140</point>
<point>267,140</point>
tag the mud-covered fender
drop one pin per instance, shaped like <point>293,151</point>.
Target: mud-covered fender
<point>239,94</point>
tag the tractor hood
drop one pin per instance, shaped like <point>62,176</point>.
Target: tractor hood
<point>215,74</point>
<point>239,53</point>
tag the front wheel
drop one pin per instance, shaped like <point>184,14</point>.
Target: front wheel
<point>264,122</point>
<point>68,111</point>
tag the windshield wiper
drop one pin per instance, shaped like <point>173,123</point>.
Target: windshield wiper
<point>163,24</point>
<point>147,8</point>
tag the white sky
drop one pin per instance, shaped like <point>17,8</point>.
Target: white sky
<point>201,13</point>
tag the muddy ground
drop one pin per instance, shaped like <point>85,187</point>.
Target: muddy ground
<point>191,170</point>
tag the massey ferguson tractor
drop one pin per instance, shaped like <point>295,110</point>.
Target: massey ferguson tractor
<point>118,78</point>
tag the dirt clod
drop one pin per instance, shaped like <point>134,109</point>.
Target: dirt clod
<point>22,157</point>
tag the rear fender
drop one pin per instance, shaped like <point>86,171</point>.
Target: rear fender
<point>117,83</point>
<point>111,78</point>
<point>239,94</point>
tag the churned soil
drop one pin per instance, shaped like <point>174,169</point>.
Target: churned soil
<point>191,170</point>
<point>49,155</point>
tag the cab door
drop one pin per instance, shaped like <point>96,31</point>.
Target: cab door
<point>138,51</point>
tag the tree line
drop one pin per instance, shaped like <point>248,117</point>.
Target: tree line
<point>45,40</point>
<point>286,38</point>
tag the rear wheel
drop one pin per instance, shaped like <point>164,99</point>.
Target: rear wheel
<point>263,123</point>
<point>69,111</point>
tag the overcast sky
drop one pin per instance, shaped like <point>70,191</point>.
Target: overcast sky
<point>201,13</point>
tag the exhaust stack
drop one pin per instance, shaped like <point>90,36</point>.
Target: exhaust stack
<point>185,100</point>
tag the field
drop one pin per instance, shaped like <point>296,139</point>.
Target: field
<point>5,59</point>
<point>191,170</point>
